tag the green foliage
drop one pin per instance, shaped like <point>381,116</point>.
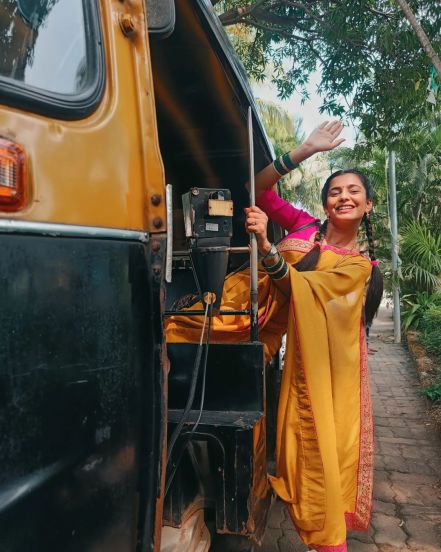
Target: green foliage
<point>422,251</point>
<point>419,174</point>
<point>284,131</point>
<point>431,329</point>
<point>416,306</point>
<point>433,392</point>
<point>373,68</point>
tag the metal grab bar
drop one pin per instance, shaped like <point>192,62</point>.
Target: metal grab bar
<point>202,312</point>
<point>186,253</point>
<point>254,322</point>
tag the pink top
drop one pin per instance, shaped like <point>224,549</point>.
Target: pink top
<point>287,216</point>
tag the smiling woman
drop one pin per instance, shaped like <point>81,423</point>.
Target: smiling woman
<point>313,287</point>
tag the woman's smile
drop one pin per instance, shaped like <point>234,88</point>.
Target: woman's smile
<point>344,208</point>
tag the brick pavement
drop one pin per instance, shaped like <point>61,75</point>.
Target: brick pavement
<point>407,489</point>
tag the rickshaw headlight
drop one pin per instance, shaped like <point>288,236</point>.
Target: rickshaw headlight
<point>12,176</point>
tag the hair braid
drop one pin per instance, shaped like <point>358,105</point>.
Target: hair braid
<point>375,288</point>
<point>310,260</point>
<point>369,236</point>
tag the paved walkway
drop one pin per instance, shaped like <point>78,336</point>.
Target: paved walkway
<point>407,491</point>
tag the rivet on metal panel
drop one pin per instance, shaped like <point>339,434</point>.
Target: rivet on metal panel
<point>156,246</point>
<point>156,199</point>
<point>127,24</point>
<point>195,191</point>
<point>157,269</point>
<point>157,222</point>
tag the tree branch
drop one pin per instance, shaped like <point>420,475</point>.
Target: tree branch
<point>285,34</point>
<point>231,17</point>
<point>387,15</point>
<point>421,35</point>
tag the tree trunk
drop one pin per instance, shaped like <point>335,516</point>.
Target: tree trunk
<point>422,37</point>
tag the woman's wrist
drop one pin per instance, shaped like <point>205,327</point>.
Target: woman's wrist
<point>304,151</point>
<point>265,248</point>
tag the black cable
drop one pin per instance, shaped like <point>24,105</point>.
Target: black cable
<point>190,434</point>
<point>190,399</point>
<point>204,370</point>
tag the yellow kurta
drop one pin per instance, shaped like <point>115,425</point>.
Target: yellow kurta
<point>325,432</point>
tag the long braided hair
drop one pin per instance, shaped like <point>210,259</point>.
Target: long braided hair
<point>310,260</point>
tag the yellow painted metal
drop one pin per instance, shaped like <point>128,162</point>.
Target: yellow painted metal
<point>105,170</point>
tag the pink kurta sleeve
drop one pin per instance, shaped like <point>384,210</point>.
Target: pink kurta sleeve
<point>282,212</point>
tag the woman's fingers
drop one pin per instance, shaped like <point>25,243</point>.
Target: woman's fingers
<point>256,221</point>
<point>338,142</point>
<point>334,128</point>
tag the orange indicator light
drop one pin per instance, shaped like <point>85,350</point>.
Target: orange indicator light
<point>12,176</point>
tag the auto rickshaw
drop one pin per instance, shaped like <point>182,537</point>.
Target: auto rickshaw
<point>112,111</point>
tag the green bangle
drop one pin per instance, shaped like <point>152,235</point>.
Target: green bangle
<point>279,167</point>
<point>273,252</point>
<point>275,267</point>
<point>289,164</point>
<point>280,273</point>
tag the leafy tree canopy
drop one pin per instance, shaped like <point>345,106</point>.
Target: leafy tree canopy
<point>373,67</point>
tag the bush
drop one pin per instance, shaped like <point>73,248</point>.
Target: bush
<point>433,392</point>
<point>430,326</point>
<point>415,307</point>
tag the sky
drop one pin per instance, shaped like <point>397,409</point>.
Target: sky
<point>309,111</point>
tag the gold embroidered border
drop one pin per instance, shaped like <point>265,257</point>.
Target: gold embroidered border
<point>294,244</point>
<point>303,246</point>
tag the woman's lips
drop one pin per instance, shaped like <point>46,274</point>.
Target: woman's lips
<point>344,209</point>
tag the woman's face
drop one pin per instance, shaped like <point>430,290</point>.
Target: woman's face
<point>346,201</point>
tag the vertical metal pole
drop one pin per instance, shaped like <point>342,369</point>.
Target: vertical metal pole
<point>394,232</point>
<point>169,257</point>
<point>254,305</point>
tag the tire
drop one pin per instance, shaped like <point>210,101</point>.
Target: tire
<point>231,543</point>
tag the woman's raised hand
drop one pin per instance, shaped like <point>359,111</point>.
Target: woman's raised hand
<point>256,223</point>
<point>325,137</point>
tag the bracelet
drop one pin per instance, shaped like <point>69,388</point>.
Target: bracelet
<point>271,269</point>
<point>273,251</point>
<point>283,164</point>
<point>280,273</point>
<point>288,163</point>
<point>278,167</point>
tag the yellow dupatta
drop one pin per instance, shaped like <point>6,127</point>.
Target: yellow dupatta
<point>324,447</point>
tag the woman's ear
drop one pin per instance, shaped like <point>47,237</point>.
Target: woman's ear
<point>369,205</point>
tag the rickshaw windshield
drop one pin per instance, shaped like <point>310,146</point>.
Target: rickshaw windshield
<point>43,45</point>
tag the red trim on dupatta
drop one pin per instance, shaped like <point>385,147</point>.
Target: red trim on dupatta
<point>359,520</point>
<point>331,548</point>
